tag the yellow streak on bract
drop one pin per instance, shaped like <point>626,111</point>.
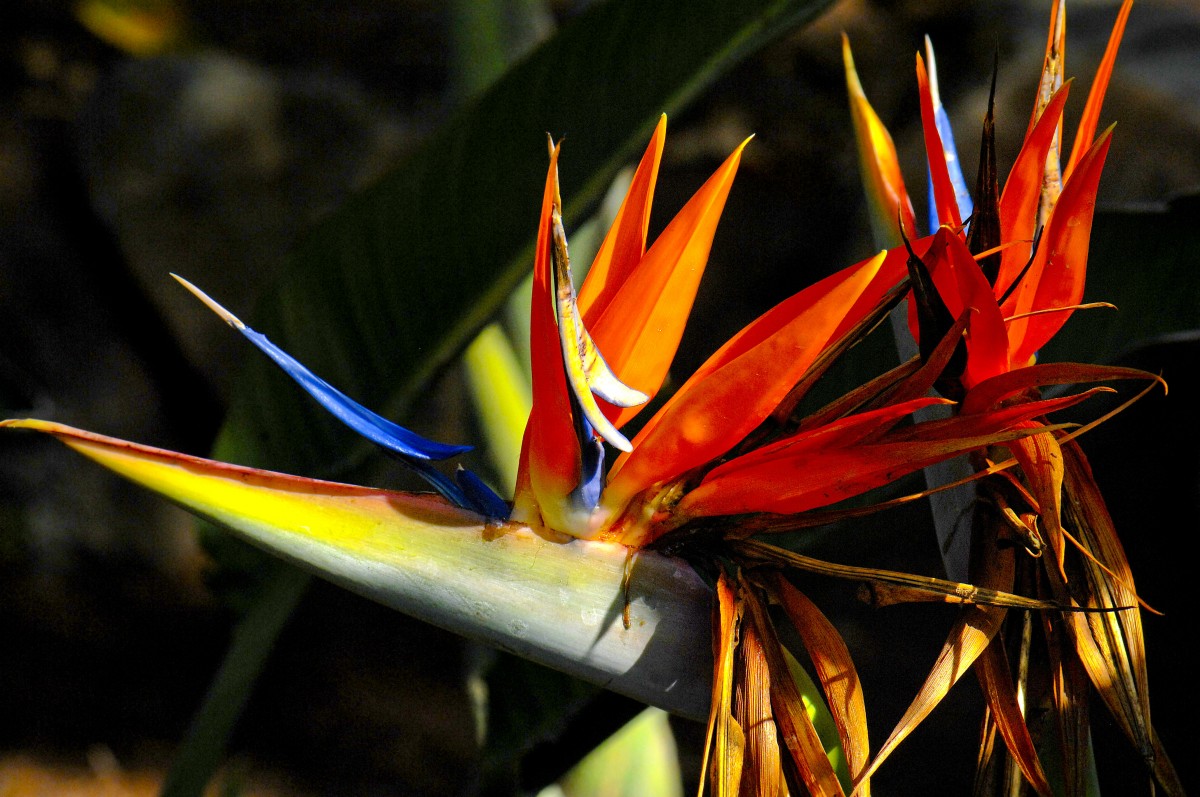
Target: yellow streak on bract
<point>355,519</point>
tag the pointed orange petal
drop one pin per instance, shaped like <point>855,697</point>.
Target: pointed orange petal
<point>878,164</point>
<point>935,152</point>
<point>1023,190</point>
<point>1061,265</point>
<point>1091,111</point>
<point>625,242</point>
<point>642,324</point>
<point>551,456</point>
<point>740,385</point>
<point>836,672</point>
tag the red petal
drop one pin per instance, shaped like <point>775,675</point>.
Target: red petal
<point>550,457</point>
<point>813,478</point>
<point>961,284</point>
<point>743,382</point>
<point>1061,266</point>
<point>943,189</point>
<point>1023,191</point>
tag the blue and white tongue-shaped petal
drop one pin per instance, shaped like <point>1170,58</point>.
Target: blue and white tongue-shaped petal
<point>587,372</point>
<point>962,194</point>
<point>410,448</point>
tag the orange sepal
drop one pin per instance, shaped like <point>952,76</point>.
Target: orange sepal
<point>625,243</point>
<point>1057,276</point>
<point>880,167</point>
<point>550,457</point>
<point>935,152</point>
<point>1091,110</point>
<point>1023,191</point>
<point>741,384</point>
<point>640,327</point>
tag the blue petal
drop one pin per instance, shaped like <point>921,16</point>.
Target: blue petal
<point>466,490</point>
<point>480,497</point>
<point>376,428</point>
<point>586,495</point>
<point>962,194</point>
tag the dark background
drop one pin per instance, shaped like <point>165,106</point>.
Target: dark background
<point>212,159</point>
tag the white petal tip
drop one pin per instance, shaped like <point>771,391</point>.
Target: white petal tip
<point>226,316</point>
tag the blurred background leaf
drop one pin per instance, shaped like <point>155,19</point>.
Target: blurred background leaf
<point>386,291</point>
<point>1143,260</point>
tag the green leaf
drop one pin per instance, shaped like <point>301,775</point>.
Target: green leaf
<point>384,293</point>
<point>640,759</point>
<point>254,637</point>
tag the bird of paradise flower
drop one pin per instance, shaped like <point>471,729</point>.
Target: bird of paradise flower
<point>730,454</point>
<point>1019,268</point>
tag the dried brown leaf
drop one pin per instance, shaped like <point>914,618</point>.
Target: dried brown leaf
<point>835,671</point>
<point>724,742</point>
<point>799,736</point>
<point>1001,695</point>
<point>763,774</point>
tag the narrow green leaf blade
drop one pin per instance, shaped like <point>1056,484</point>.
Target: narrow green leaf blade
<point>390,287</point>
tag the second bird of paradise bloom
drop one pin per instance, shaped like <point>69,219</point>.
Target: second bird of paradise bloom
<point>1011,267</point>
<point>736,451</point>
